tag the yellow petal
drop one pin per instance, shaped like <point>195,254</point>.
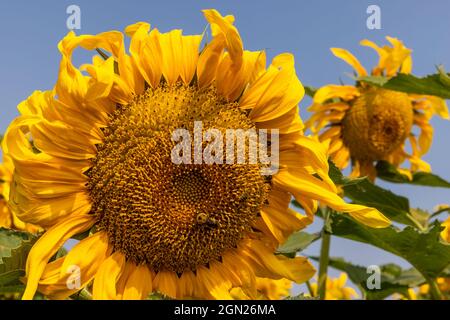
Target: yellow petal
<point>231,35</point>
<point>57,139</point>
<point>48,244</point>
<point>166,283</point>
<point>301,184</point>
<point>407,65</point>
<point>287,123</point>
<point>47,212</point>
<point>86,256</point>
<point>280,219</point>
<point>107,277</point>
<point>146,52</point>
<point>180,56</point>
<point>272,266</point>
<point>445,234</point>
<point>350,59</point>
<point>209,60</point>
<point>95,245</point>
<point>139,284</point>
<point>274,93</point>
<point>190,54</point>
<point>216,285</point>
<point>345,93</point>
<point>187,285</point>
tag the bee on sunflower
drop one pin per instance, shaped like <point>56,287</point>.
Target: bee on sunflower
<point>366,124</point>
<point>93,156</point>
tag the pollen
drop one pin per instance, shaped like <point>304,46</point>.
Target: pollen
<point>377,123</point>
<point>170,216</point>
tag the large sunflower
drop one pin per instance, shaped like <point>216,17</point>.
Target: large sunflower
<point>7,218</point>
<point>367,124</point>
<point>95,155</point>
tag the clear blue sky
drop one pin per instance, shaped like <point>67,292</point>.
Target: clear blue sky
<point>30,31</point>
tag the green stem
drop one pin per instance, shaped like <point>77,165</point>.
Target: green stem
<point>435,214</point>
<point>324,257</point>
<point>417,223</point>
<point>82,295</point>
<point>310,289</point>
<point>435,293</point>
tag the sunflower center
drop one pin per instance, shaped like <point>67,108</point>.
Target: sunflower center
<point>378,122</point>
<point>172,216</point>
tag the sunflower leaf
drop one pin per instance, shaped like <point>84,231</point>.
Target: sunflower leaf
<point>362,191</point>
<point>423,249</point>
<point>389,173</point>
<point>378,81</point>
<point>301,296</point>
<point>393,279</point>
<point>434,84</point>
<point>297,242</point>
<point>310,91</point>
<point>14,249</point>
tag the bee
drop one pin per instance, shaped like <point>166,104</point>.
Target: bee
<point>269,179</point>
<point>243,197</point>
<point>204,219</point>
<point>201,218</point>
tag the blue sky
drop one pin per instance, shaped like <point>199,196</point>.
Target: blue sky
<point>29,58</point>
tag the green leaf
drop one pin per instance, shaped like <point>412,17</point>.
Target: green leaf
<point>389,173</point>
<point>393,279</point>
<point>421,216</point>
<point>362,191</point>
<point>310,91</point>
<point>434,85</point>
<point>297,242</point>
<point>11,277</point>
<point>378,81</point>
<point>14,248</point>
<point>301,296</point>
<point>423,249</point>
<point>19,288</point>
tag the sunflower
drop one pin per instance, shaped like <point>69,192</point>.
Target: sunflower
<point>93,156</point>
<point>336,289</point>
<point>7,218</point>
<point>366,124</point>
<point>267,289</point>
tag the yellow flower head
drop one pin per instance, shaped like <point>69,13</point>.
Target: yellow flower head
<point>366,124</point>
<point>7,218</point>
<point>336,289</point>
<point>94,155</point>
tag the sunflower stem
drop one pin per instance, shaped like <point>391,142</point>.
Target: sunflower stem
<point>82,295</point>
<point>310,289</point>
<point>324,256</point>
<point>435,214</point>
<point>435,293</point>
